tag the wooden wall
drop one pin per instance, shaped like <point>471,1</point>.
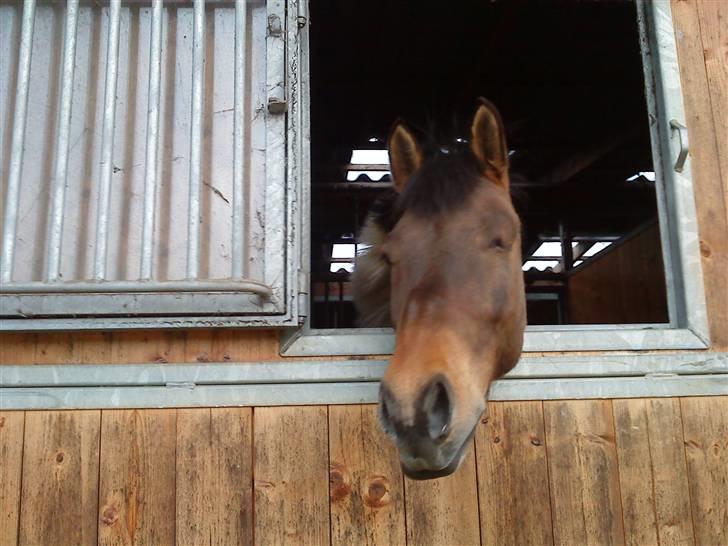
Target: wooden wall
<point>619,472</point>
<point>626,284</point>
<point>701,30</point>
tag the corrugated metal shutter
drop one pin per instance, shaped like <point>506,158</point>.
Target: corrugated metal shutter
<point>167,197</point>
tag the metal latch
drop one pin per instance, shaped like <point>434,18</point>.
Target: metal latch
<point>682,134</point>
<point>277,104</point>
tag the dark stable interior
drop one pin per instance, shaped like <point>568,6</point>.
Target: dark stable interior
<point>567,78</point>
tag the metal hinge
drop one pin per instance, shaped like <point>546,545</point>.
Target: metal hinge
<point>303,291</point>
<point>302,13</point>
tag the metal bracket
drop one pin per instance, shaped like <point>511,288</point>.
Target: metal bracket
<point>682,133</point>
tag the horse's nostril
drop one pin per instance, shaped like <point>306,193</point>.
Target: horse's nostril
<point>438,409</point>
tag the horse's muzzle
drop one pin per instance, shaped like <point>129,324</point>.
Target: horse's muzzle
<point>426,474</point>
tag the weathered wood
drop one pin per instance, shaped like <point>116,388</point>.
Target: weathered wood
<point>444,511</point>
<point>705,425</point>
<point>60,478</point>
<point>291,475</point>
<point>139,347</point>
<point>55,348</point>
<point>214,476</point>
<point>652,472</point>
<point>231,345</point>
<point>137,477</point>
<point>72,348</point>
<point>366,485</point>
<point>17,348</point>
<point>711,192</point>
<point>583,472</point>
<point>513,478</point>
<point>12,424</point>
<point>714,34</point>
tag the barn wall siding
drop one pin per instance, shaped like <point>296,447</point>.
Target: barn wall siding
<point>702,42</point>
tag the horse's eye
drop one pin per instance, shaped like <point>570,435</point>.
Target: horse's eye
<point>498,243</point>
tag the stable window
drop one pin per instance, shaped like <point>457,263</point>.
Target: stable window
<point>143,151</point>
<point>590,93</point>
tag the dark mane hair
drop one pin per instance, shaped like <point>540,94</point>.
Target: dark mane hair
<point>445,180</point>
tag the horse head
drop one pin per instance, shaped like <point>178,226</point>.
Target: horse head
<point>442,265</point>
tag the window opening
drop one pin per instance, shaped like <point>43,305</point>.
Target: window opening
<point>573,101</point>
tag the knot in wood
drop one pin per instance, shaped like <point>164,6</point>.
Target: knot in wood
<point>109,515</point>
<point>377,492</point>
<point>536,442</point>
<point>339,482</point>
<point>705,250</point>
<point>2,422</point>
<point>60,456</point>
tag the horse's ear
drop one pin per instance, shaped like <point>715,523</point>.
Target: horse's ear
<point>405,155</point>
<point>488,143</point>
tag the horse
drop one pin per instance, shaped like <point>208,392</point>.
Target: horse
<point>442,265</point>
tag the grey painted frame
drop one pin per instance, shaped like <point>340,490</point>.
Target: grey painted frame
<point>688,326</point>
<point>102,386</point>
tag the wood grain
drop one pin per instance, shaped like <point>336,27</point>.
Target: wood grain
<point>513,475</point>
<point>366,484</point>
<point>137,477</point>
<point>60,478</point>
<point>231,345</point>
<point>444,511</point>
<point>17,348</point>
<point>711,193</point>
<point>139,347</point>
<point>705,427</point>
<point>624,285</point>
<point>583,472</point>
<point>12,425</point>
<point>214,476</point>
<point>714,34</point>
<point>56,348</point>
<point>291,475</point>
<point>652,472</point>
<point>73,347</point>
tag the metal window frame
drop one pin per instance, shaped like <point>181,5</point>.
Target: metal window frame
<point>688,326</point>
<point>125,304</point>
